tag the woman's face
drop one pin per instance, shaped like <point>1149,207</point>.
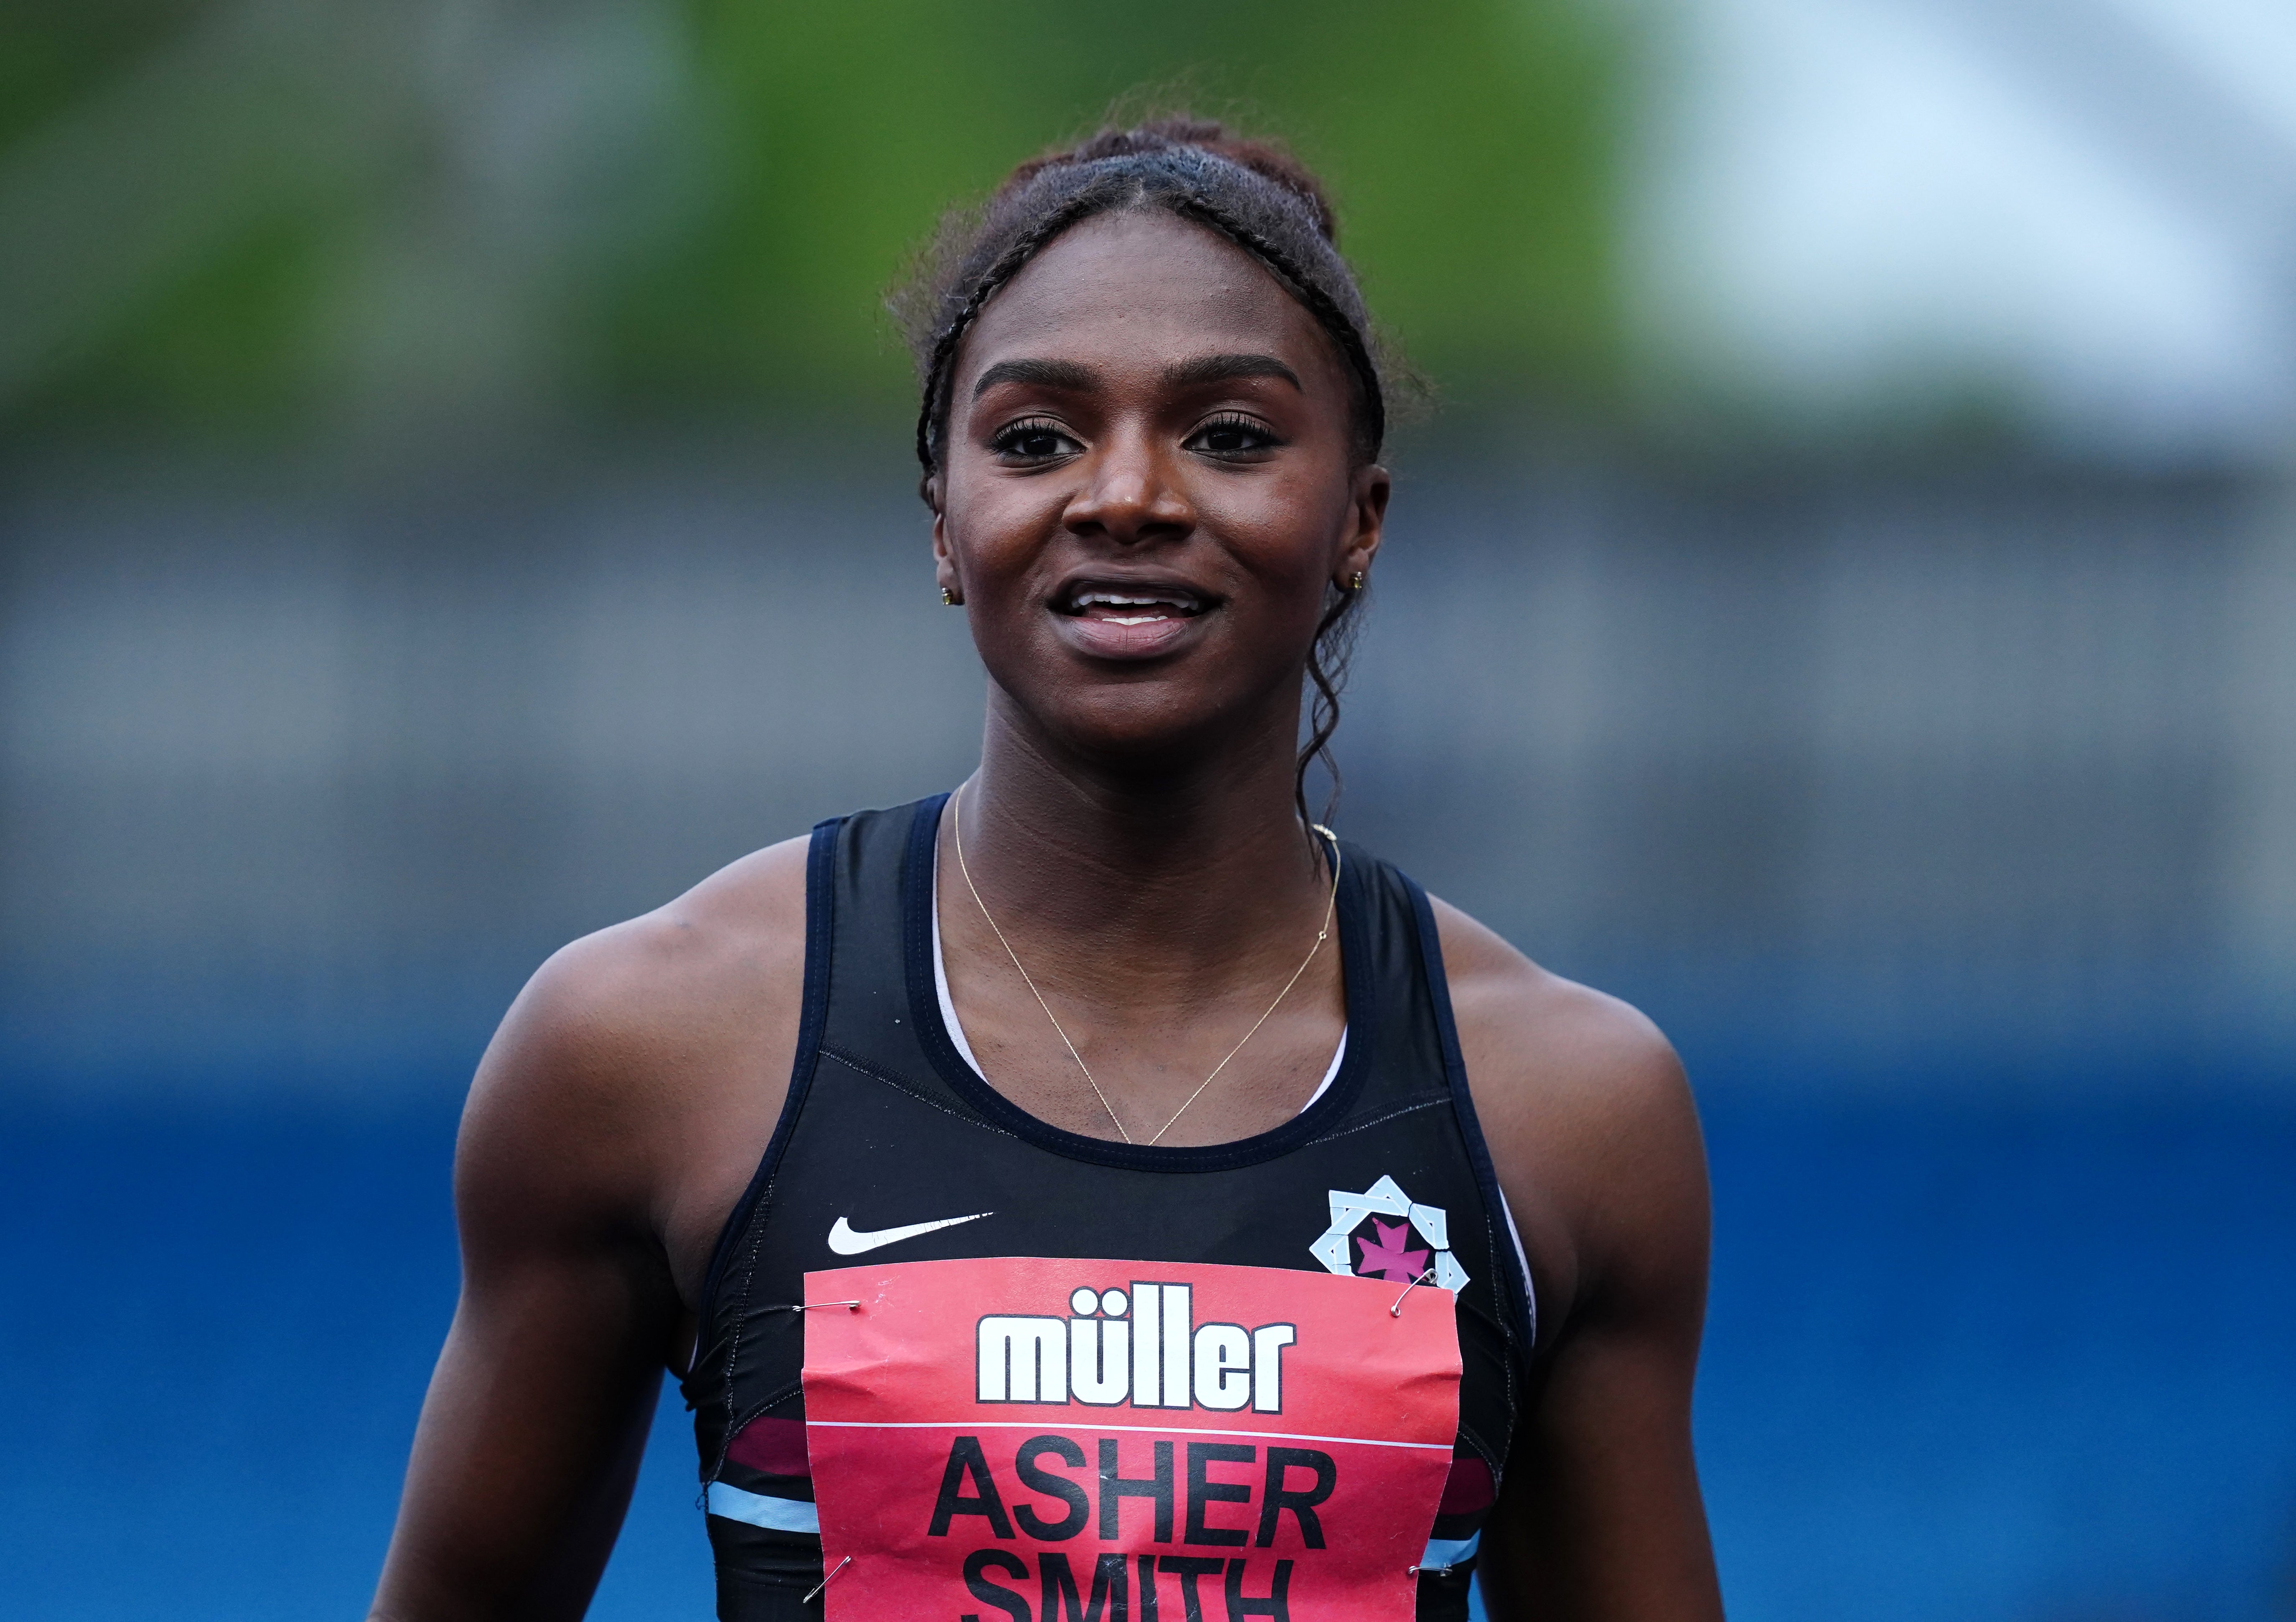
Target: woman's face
<point>1149,480</point>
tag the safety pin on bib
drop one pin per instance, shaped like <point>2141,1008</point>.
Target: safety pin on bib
<point>813,1305</point>
<point>848,1560</point>
<point>1396,1311</point>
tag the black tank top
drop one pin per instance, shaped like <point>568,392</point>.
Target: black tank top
<point>887,1127</point>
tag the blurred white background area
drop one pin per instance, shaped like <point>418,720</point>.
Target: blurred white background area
<point>2079,215</point>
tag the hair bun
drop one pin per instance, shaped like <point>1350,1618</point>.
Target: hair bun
<point>1267,159</point>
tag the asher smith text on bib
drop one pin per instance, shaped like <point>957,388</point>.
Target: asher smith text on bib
<point>995,1435</point>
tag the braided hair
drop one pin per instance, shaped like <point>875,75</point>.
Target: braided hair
<point>1253,193</point>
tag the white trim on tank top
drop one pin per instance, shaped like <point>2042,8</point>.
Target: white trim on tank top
<point>956,1027</point>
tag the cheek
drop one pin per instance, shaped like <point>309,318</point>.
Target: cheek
<point>998,525</point>
<point>1284,528</point>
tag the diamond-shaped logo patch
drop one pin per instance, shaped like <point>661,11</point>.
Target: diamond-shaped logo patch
<point>1382,1232</point>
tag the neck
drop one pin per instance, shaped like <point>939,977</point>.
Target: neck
<point>1186,868</point>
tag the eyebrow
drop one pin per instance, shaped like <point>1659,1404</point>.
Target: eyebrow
<point>1187,374</point>
<point>1046,373</point>
<point>1220,368</point>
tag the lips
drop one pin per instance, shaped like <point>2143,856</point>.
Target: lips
<point>1131,605</point>
<point>1129,619</point>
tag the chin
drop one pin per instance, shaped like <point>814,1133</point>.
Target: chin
<point>1146,725</point>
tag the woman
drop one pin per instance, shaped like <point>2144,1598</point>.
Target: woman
<point>1335,1173</point>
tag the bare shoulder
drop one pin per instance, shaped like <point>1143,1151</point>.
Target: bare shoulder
<point>629,1047</point>
<point>1591,1124</point>
<point>1546,1042</point>
<point>666,979</point>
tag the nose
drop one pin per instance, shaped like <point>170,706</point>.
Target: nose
<point>1130,495</point>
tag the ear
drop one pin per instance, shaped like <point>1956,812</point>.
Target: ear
<point>1368,518</point>
<point>945,575</point>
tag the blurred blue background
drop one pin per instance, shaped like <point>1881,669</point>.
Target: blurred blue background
<point>453,496</point>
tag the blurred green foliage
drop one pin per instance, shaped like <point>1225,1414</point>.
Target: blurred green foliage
<point>55,51</point>
<point>737,183</point>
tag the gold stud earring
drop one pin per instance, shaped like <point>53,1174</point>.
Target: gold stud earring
<point>1357,583</point>
<point>949,598</point>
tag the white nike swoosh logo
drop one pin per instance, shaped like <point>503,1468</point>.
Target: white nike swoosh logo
<point>846,1240</point>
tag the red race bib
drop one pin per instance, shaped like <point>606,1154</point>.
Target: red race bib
<point>1108,1441</point>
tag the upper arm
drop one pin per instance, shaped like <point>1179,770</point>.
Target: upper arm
<point>608,1130</point>
<point>531,1436</point>
<point>1595,1140</point>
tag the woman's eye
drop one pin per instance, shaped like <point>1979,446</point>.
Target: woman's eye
<point>1033,442</point>
<point>1231,437</point>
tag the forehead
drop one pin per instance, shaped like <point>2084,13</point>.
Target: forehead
<point>1145,287</point>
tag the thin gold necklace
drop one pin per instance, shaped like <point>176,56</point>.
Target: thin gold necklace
<point>1331,905</point>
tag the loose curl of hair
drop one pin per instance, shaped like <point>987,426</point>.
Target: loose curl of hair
<point>1256,195</point>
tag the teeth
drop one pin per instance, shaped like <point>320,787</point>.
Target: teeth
<point>1085,600</point>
